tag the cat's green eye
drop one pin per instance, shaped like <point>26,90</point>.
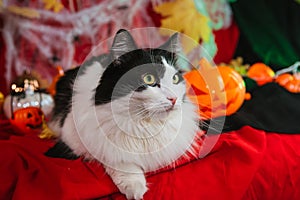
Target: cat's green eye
<point>149,79</point>
<point>176,79</point>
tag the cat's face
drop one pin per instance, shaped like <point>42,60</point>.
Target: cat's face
<point>162,94</point>
<point>145,82</point>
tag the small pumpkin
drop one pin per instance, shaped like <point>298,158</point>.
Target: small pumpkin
<point>261,73</point>
<point>27,120</point>
<point>218,91</point>
<point>291,82</point>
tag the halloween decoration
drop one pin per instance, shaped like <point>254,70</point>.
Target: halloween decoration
<point>25,107</point>
<point>193,23</point>
<point>261,73</point>
<point>46,133</point>
<point>1,102</point>
<point>27,120</point>
<point>198,90</point>
<point>238,65</point>
<point>52,87</point>
<point>22,11</point>
<point>234,88</point>
<point>26,92</point>
<point>289,81</point>
<point>54,5</point>
<point>218,91</point>
<point>36,42</point>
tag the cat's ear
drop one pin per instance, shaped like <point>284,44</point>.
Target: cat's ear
<point>173,44</point>
<point>123,43</point>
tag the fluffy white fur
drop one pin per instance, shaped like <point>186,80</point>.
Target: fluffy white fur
<point>126,140</point>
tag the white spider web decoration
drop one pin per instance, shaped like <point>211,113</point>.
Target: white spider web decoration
<point>52,34</point>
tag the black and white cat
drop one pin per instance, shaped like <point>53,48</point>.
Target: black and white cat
<point>128,110</point>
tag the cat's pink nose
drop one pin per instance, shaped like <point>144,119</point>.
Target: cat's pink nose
<point>172,99</point>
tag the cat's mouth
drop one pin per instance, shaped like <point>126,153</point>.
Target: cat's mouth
<point>169,108</point>
<point>149,111</point>
<point>160,112</point>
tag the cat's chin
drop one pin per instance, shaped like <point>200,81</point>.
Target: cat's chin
<point>170,109</point>
<point>165,113</point>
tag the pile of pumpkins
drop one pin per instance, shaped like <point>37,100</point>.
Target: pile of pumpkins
<point>289,78</point>
<point>221,90</point>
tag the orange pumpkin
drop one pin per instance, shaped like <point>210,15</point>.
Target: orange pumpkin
<point>218,91</point>
<point>289,81</point>
<point>27,120</point>
<point>261,73</point>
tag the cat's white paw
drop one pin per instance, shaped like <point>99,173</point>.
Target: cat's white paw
<point>130,180</point>
<point>134,188</point>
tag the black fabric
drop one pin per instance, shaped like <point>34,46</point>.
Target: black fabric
<point>272,108</point>
<point>245,50</point>
<point>61,150</point>
<point>269,31</point>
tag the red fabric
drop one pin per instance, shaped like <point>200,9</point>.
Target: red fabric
<point>226,40</point>
<point>3,84</point>
<point>244,164</point>
<point>279,174</point>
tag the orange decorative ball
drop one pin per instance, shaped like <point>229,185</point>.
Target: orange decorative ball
<point>52,88</point>
<point>261,73</point>
<point>1,102</point>
<point>218,91</point>
<point>27,120</point>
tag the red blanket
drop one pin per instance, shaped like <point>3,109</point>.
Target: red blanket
<point>244,164</point>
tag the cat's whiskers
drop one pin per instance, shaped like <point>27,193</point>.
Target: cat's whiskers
<point>147,114</point>
<point>142,114</point>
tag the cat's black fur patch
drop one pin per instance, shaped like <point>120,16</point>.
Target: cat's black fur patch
<point>63,96</point>
<point>64,87</point>
<point>133,65</point>
<point>61,150</point>
<point>147,61</point>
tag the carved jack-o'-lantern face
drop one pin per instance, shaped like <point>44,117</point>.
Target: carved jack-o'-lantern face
<point>28,120</point>
<point>234,88</point>
<point>214,98</point>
